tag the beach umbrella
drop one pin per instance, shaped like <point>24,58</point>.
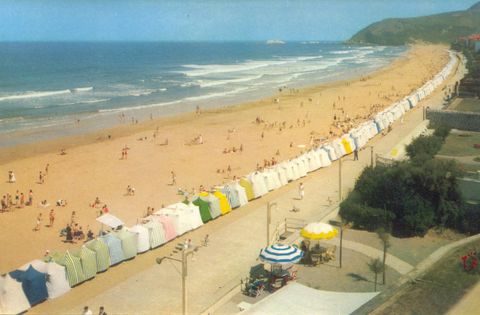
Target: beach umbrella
<point>110,220</point>
<point>281,254</point>
<point>318,231</point>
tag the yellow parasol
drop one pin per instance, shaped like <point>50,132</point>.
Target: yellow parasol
<point>318,231</point>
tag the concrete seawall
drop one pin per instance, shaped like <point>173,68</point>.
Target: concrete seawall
<point>469,121</point>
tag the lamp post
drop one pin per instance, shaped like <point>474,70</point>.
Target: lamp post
<point>269,219</point>
<point>340,180</point>
<point>371,155</point>
<point>183,261</point>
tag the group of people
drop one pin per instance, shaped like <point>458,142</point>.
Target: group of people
<point>74,232</point>
<point>88,311</point>
<point>233,149</point>
<point>51,218</point>
<point>8,202</point>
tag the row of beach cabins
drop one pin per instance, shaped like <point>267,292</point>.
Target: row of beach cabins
<point>56,274</point>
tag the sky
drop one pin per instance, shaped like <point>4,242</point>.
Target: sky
<point>195,20</point>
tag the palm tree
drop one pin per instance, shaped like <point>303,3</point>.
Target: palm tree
<point>376,267</point>
<point>384,236</point>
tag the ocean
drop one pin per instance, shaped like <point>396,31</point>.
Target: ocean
<point>46,87</point>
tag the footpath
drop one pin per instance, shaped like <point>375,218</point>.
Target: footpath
<point>235,241</point>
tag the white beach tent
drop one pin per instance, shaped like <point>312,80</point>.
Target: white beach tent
<point>338,147</point>
<point>295,170</point>
<point>271,179</point>
<point>258,184</point>
<point>324,157</point>
<point>287,168</point>
<point>313,161</point>
<point>57,283</point>
<point>12,298</point>
<point>143,237</point>
<point>405,105</point>
<point>189,215</point>
<point>302,168</point>
<point>241,193</point>
<point>110,220</point>
<point>332,155</point>
<point>156,233</point>
<point>181,225</point>
<point>281,173</point>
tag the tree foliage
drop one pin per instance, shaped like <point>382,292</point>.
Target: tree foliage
<point>409,197</point>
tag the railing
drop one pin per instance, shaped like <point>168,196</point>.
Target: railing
<point>288,226</point>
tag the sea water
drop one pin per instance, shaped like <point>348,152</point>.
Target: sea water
<point>55,89</point>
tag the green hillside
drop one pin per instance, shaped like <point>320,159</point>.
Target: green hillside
<point>439,28</point>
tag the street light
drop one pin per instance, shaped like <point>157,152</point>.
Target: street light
<point>269,215</point>
<point>371,154</point>
<point>185,254</point>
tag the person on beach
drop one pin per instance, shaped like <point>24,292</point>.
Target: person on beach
<point>301,191</point>
<point>46,168</point>
<point>30,198</point>
<point>174,178</point>
<point>51,216</point>
<point>39,222</point>
<point>101,311</point>
<point>90,235</point>
<point>41,179</point>
<point>17,198</point>
<point>73,218</point>
<point>68,234</point>
<point>11,177</point>
<point>22,200</point>
<point>4,203</point>
<point>87,311</point>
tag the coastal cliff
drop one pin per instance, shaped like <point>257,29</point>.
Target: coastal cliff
<point>438,28</point>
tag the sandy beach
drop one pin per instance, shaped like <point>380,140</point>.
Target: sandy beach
<point>279,127</point>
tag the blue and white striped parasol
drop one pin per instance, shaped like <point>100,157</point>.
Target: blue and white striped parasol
<point>281,254</point>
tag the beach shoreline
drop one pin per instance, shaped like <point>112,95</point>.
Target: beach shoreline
<point>67,136</point>
<point>93,165</point>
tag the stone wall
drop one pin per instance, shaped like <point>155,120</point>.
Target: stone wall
<point>469,121</point>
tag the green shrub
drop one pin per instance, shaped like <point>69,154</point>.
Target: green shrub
<point>442,131</point>
<point>408,196</point>
<point>365,217</point>
<point>424,148</point>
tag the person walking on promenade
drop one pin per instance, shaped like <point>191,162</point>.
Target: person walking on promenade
<point>355,155</point>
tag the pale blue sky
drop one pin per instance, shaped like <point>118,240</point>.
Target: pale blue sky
<point>148,20</point>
